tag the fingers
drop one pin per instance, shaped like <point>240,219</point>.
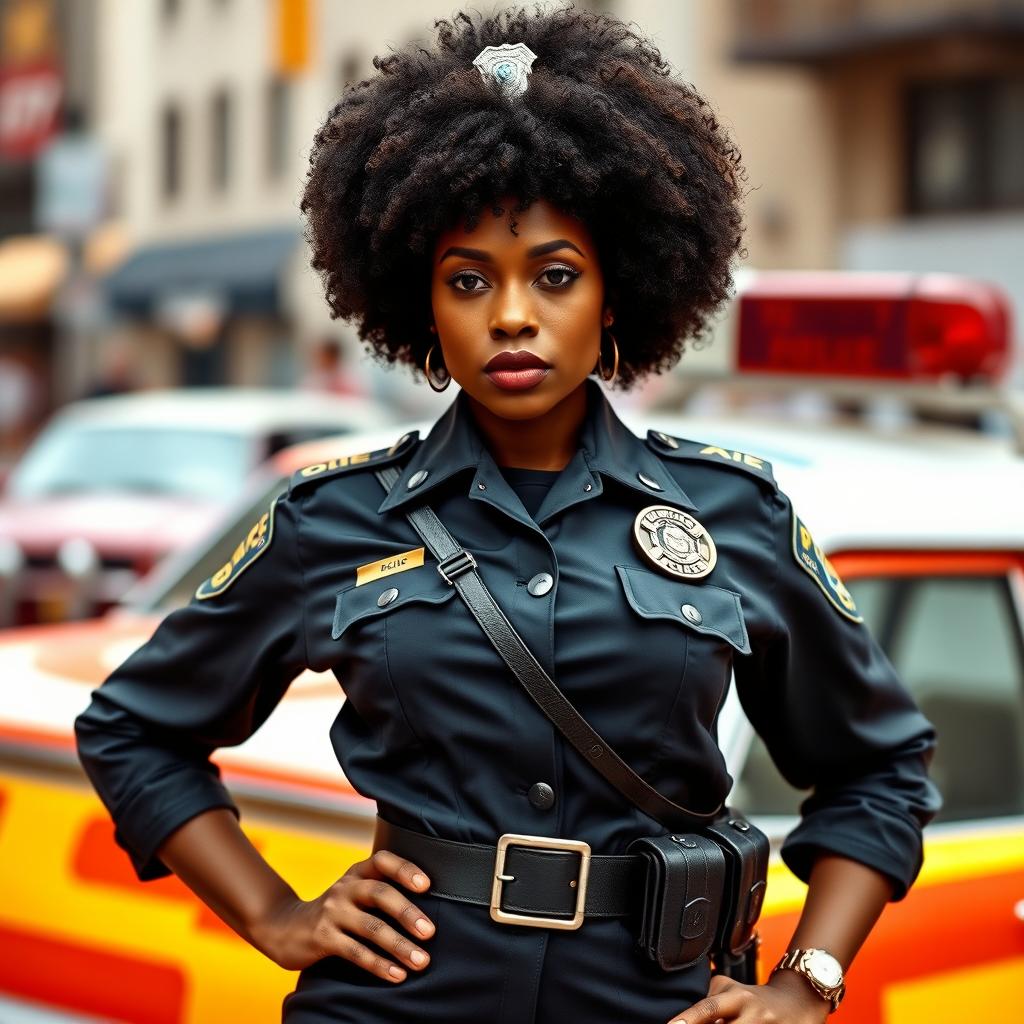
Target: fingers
<point>725,1002</point>
<point>381,934</point>
<point>386,897</point>
<point>390,865</point>
<point>352,949</point>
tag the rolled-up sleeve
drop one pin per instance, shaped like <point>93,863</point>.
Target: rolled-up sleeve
<point>836,718</point>
<point>209,677</point>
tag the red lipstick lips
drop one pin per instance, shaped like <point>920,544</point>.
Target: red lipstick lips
<point>516,371</point>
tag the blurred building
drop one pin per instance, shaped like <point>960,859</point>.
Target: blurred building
<point>876,135</point>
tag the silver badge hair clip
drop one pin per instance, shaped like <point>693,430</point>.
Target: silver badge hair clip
<point>509,65</point>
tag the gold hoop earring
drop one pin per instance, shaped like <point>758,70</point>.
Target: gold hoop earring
<point>615,365</point>
<point>430,377</point>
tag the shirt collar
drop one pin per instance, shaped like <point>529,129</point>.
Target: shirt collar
<point>606,448</point>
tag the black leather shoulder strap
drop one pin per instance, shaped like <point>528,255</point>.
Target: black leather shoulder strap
<point>458,567</point>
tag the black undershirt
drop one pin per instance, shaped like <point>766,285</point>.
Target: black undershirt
<point>531,485</point>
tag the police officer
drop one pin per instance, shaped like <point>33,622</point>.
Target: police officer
<point>642,573</point>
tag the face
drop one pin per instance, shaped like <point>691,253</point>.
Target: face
<point>499,296</point>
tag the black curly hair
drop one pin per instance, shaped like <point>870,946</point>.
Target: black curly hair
<point>603,132</point>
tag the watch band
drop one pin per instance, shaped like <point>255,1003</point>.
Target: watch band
<point>793,960</point>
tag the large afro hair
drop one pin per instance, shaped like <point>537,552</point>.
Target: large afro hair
<point>603,132</point>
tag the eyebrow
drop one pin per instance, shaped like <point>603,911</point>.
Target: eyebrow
<point>485,257</point>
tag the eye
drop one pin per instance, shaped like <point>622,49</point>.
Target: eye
<point>559,277</point>
<point>469,278</point>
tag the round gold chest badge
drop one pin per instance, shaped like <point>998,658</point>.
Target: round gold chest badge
<point>674,542</point>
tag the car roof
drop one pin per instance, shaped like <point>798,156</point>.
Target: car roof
<point>907,488</point>
<point>232,410</point>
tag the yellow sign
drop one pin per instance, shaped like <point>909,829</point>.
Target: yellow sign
<point>386,566</point>
<point>292,40</point>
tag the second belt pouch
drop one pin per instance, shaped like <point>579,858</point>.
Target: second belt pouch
<point>682,897</point>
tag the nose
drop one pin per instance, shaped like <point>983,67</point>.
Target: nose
<point>512,313</point>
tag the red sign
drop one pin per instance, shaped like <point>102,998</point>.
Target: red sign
<point>30,103</point>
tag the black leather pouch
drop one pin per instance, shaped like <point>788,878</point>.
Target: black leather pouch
<point>745,848</point>
<point>682,897</point>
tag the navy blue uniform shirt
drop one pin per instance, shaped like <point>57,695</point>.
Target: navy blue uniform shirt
<point>436,729</point>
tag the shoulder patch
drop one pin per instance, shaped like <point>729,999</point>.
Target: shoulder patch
<point>810,557</point>
<point>344,463</point>
<point>250,547</point>
<point>679,448</point>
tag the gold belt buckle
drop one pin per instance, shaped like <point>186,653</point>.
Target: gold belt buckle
<point>540,843</point>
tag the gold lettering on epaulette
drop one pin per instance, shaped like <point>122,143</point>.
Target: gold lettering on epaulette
<point>339,463</point>
<point>749,460</point>
<point>389,565</point>
<point>253,544</point>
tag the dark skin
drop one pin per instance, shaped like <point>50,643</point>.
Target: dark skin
<point>541,289</point>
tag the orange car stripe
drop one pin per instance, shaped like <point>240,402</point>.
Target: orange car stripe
<point>104,984</point>
<point>968,923</point>
<point>98,859</point>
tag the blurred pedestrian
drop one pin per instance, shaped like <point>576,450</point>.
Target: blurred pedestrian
<point>328,372</point>
<point>536,209</point>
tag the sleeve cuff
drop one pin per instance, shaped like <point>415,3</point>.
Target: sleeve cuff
<point>159,809</point>
<point>899,859</point>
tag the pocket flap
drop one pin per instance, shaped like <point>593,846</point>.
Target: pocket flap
<point>363,602</point>
<point>655,596</point>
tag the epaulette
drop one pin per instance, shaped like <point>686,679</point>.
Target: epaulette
<point>671,447</point>
<point>345,463</point>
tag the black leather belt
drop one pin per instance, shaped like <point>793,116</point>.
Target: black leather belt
<point>526,880</point>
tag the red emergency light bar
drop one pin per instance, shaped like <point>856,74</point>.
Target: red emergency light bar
<point>896,326</point>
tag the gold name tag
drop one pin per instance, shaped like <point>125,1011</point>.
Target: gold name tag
<point>386,566</point>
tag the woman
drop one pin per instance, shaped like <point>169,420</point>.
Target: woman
<point>518,219</point>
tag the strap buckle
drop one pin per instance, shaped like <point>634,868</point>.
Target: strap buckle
<point>455,565</point>
<point>541,843</point>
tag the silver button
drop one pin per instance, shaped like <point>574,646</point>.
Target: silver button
<point>648,482</point>
<point>588,486</point>
<point>481,487</point>
<point>387,596</point>
<point>417,478</point>
<point>692,614</point>
<point>666,439</point>
<point>541,795</point>
<point>540,584</point>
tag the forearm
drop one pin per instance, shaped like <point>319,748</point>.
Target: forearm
<point>844,900</point>
<point>213,856</point>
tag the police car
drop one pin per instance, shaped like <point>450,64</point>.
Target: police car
<point>917,522</point>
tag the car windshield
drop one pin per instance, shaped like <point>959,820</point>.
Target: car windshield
<point>72,458</point>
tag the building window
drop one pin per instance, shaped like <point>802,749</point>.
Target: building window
<point>170,151</point>
<point>220,140</point>
<point>278,126</point>
<point>966,145</point>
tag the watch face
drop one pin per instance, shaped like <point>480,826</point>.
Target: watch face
<point>824,968</point>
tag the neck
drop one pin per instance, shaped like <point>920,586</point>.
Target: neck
<point>547,441</point>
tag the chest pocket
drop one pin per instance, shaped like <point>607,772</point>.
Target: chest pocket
<point>699,607</point>
<point>422,585</point>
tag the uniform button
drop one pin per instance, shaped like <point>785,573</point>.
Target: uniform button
<point>692,614</point>
<point>648,482</point>
<point>588,486</point>
<point>540,584</point>
<point>481,487</point>
<point>417,478</point>
<point>666,439</point>
<point>387,596</point>
<point>541,795</point>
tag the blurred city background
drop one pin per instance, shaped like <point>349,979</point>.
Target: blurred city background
<point>152,154</point>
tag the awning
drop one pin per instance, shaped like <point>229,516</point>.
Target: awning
<point>31,269</point>
<point>246,270</point>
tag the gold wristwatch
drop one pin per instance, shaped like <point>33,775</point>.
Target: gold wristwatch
<point>820,968</point>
